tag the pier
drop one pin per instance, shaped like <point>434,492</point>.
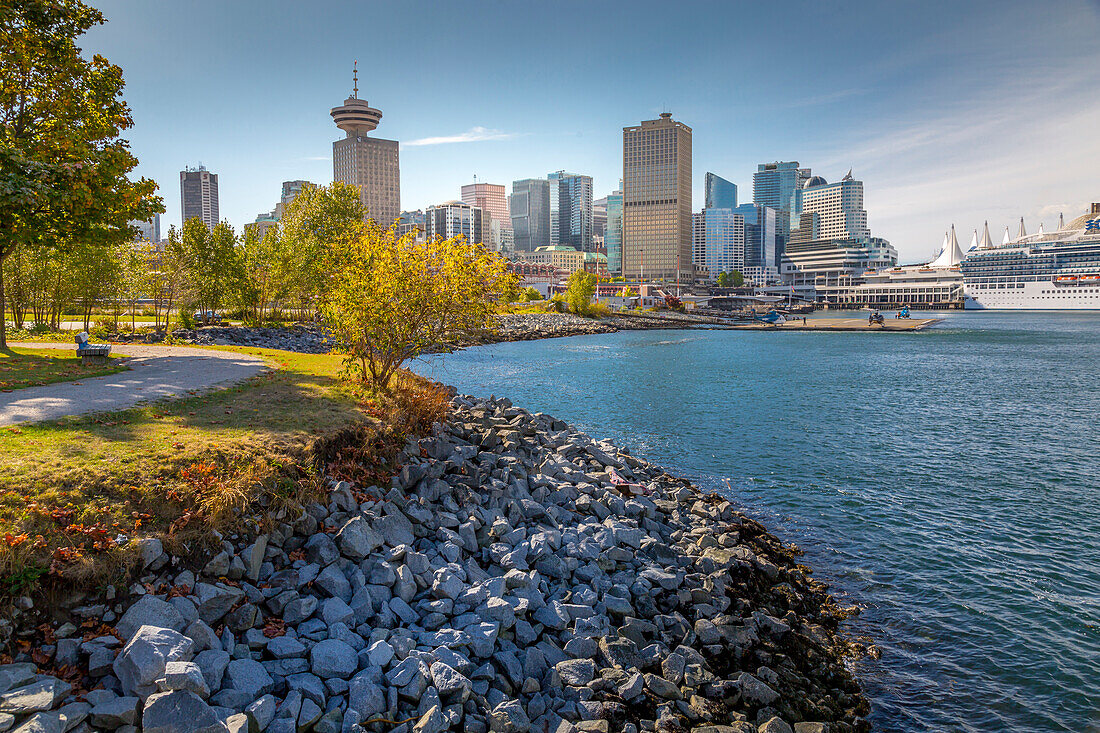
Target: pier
<point>840,324</point>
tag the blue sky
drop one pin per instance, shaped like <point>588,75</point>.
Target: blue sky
<point>949,112</point>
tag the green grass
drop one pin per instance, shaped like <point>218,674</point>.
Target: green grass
<point>21,367</point>
<point>180,467</point>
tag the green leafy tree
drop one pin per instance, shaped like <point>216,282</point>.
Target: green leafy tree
<point>318,219</point>
<point>259,262</point>
<point>211,264</point>
<point>731,279</point>
<point>530,295</point>
<point>64,170</point>
<point>133,275</point>
<point>579,291</point>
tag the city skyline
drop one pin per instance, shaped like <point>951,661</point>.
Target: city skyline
<point>945,122</point>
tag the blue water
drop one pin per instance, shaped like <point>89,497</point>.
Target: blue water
<point>948,482</point>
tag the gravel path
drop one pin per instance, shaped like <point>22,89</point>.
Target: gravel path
<point>156,372</point>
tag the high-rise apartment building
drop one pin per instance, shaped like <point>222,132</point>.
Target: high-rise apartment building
<point>657,237</point>
<point>493,199</point>
<point>720,193</point>
<point>456,218</point>
<point>613,233</point>
<point>199,195</point>
<point>571,210</point>
<point>529,206</point>
<point>369,163</point>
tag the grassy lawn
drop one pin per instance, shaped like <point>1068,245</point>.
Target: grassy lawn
<point>67,487</point>
<point>21,367</point>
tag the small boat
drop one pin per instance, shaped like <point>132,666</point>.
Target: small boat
<point>1090,279</point>
<point>1065,279</point>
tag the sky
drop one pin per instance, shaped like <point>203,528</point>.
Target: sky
<point>950,113</point>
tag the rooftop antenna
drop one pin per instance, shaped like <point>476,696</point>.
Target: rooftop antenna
<point>355,79</point>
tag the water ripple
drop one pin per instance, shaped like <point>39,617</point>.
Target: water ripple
<point>946,482</point>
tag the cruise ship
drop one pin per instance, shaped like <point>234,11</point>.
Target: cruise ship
<point>1057,270</point>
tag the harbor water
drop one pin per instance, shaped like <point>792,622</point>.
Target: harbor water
<point>947,482</point>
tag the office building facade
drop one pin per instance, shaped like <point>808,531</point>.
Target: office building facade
<point>699,239</point>
<point>529,207</point>
<point>371,164</point>
<point>720,193</point>
<point>456,218</point>
<point>571,210</point>
<point>491,198</point>
<point>657,234</point>
<point>599,218</point>
<point>199,195</point>
<point>723,241</point>
<point>613,234</point>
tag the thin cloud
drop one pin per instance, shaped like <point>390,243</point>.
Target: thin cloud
<point>473,135</point>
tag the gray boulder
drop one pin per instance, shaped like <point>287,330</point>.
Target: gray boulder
<point>179,711</point>
<point>149,611</point>
<point>141,662</point>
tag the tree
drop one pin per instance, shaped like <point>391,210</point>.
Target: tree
<point>390,299</point>
<point>318,218</point>
<point>731,279</point>
<point>133,275</point>
<point>259,264</point>
<point>579,291</point>
<point>211,264</point>
<point>64,171</point>
<point>530,294</point>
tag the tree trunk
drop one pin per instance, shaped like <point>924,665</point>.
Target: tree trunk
<point>3,309</point>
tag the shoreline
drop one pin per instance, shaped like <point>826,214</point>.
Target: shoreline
<point>516,575</point>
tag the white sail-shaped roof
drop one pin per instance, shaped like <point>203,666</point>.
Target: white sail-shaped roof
<point>974,241</point>
<point>1041,228</point>
<point>1006,238</point>
<point>951,254</point>
<point>985,242</point>
<point>1023,231</point>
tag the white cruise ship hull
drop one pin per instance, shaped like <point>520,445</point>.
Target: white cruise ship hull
<point>1033,295</point>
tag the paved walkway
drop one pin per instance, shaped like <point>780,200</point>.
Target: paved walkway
<point>156,372</point>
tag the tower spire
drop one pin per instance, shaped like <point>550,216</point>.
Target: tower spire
<point>355,80</point>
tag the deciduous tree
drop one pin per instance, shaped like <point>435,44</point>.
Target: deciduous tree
<point>579,291</point>
<point>389,299</point>
<point>64,170</point>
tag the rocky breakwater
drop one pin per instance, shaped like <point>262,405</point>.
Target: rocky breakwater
<point>530,326</point>
<point>303,339</point>
<point>516,576</point>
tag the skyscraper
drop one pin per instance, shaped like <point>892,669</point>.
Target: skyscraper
<point>493,199</point>
<point>571,210</point>
<point>529,206</point>
<point>367,162</point>
<point>774,184</point>
<point>613,234</point>
<point>657,239</point>
<point>777,185</point>
<point>720,193</point>
<point>199,195</point>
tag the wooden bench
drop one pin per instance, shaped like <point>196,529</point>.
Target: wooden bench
<point>91,354</point>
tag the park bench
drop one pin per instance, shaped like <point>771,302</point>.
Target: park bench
<point>91,354</point>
